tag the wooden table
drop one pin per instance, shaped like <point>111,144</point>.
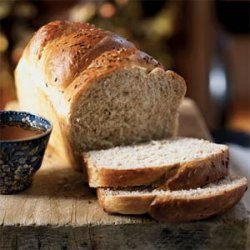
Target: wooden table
<point>59,211</point>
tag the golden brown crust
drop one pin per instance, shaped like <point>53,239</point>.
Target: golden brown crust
<point>124,204</point>
<point>170,209</point>
<point>166,207</point>
<point>65,49</point>
<point>123,178</point>
<point>46,34</point>
<point>179,176</point>
<point>197,173</point>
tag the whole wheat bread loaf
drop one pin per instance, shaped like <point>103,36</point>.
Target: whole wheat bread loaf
<point>176,163</point>
<point>175,206</point>
<point>97,89</point>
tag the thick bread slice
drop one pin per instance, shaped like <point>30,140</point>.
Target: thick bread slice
<point>177,163</point>
<point>175,206</point>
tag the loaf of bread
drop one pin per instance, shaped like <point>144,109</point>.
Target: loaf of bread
<point>176,163</point>
<point>175,206</point>
<point>97,89</point>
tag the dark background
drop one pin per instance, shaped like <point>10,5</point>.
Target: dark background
<point>207,42</point>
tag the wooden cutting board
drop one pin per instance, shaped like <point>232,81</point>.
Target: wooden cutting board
<point>59,211</point>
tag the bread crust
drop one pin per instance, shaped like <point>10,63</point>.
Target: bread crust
<point>124,204</point>
<point>198,173</point>
<point>64,49</point>
<point>168,208</point>
<point>178,176</point>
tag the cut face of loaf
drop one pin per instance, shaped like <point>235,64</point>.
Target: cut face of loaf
<point>97,89</point>
<point>177,163</point>
<point>130,104</point>
<point>175,206</point>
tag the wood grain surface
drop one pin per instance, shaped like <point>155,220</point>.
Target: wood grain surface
<point>59,211</point>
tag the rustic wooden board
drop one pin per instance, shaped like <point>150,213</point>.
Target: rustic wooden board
<point>200,235</point>
<point>59,211</point>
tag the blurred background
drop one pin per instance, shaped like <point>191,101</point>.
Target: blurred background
<point>207,42</point>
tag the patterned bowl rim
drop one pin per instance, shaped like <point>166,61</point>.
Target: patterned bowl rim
<point>24,113</point>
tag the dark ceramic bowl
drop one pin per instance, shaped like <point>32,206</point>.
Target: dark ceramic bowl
<point>21,158</point>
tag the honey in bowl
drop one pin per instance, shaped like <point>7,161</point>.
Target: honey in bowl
<point>18,132</point>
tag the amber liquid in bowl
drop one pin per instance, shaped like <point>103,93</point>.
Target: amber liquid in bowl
<point>14,132</point>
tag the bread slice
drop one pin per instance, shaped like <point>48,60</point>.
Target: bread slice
<point>177,163</point>
<point>175,206</point>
